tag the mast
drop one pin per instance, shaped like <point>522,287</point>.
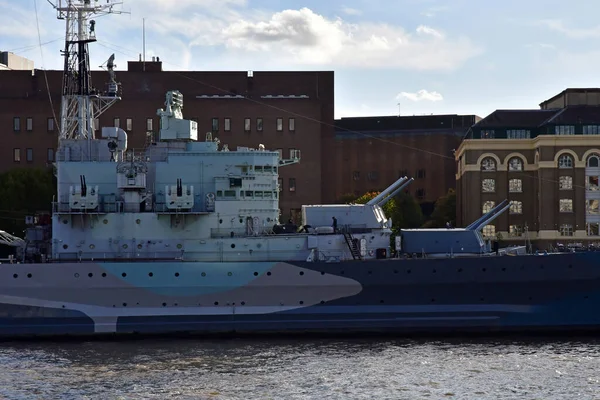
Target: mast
<point>81,102</point>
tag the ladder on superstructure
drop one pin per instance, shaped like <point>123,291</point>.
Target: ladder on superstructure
<point>352,246</point>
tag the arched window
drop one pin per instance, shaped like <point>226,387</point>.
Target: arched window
<point>565,161</point>
<point>515,164</point>
<point>488,164</point>
<point>593,161</point>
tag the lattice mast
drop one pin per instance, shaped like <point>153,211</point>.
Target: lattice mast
<point>81,102</point>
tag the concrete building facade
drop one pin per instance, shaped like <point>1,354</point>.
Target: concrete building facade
<point>546,162</point>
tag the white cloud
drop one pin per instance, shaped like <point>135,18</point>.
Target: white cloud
<point>351,11</point>
<point>421,95</point>
<point>574,33</point>
<point>433,11</point>
<point>237,36</point>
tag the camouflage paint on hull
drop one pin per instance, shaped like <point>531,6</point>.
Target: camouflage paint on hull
<point>481,294</point>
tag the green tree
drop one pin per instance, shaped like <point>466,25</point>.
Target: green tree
<point>403,209</point>
<point>24,191</point>
<point>444,211</point>
<point>347,198</point>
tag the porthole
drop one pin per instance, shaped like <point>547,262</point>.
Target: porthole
<point>176,274</point>
<point>123,274</point>
<point>65,221</point>
<point>179,245</point>
<point>124,304</point>
<point>241,220</point>
<point>216,303</point>
<point>229,274</point>
<point>104,274</point>
<point>76,275</point>
<point>301,302</point>
<point>301,272</point>
<point>164,304</point>
<point>138,221</point>
<point>203,274</point>
<point>105,221</point>
<point>255,273</point>
<point>125,246</point>
<point>65,246</point>
<point>92,246</point>
<point>233,245</point>
<point>139,246</point>
<point>259,245</point>
<point>243,303</point>
<point>269,273</point>
<point>29,275</point>
<point>150,274</point>
<point>90,275</point>
<point>220,221</point>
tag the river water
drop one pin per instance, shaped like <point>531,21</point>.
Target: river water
<point>372,368</point>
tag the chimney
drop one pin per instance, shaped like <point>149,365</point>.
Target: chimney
<point>140,57</point>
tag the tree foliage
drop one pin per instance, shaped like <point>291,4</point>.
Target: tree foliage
<point>24,191</point>
<point>444,211</point>
<point>403,209</point>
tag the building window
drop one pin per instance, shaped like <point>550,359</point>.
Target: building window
<point>96,124</point>
<point>592,161</point>
<point>488,185</point>
<point>280,184</point>
<point>17,155</point>
<point>488,134</point>
<point>356,175</point>
<point>518,134</point>
<point>372,176</point>
<point>50,125</point>
<point>280,151</point>
<point>591,184</point>
<point>591,129</point>
<point>564,130</point>
<point>292,124</point>
<point>215,124</point>
<point>515,186</point>
<point>515,164</point>
<point>488,164</point>
<point>50,155</point>
<point>592,207</point>
<point>565,183</point>
<point>16,124</point>
<point>420,194</point>
<point>227,125</point>
<point>149,124</point>
<point>516,207</point>
<point>487,206</point>
<point>29,155</point>
<point>279,124</point>
<point>421,174</point>
<point>247,123</point>
<point>129,124</point>
<point>592,229</point>
<point>259,124</point>
<point>293,153</point>
<point>565,205</point>
<point>117,122</point>
<point>566,230</point>
<point>29,124</point>
<point>489,231</point>
<point>515,230</point>
<point>565,161</point>
<point>292,184</point>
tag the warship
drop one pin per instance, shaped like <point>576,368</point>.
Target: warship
<point>185,237</point>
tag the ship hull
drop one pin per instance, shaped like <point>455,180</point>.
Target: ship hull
<point>510,293</point>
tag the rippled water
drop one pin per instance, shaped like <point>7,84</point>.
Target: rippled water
<point>302,369</point>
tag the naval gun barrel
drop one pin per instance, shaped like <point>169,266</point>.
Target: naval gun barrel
<point>389,189</point>
<point>395,192</point>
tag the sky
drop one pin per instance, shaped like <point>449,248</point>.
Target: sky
<point>412,57</point>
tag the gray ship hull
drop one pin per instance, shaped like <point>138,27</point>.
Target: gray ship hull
<point>558,292</point>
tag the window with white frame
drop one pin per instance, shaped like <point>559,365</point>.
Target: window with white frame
<point>516,207</point>
<point>566,230</point>
<point>515,230</point>
<point>591,183</point>
<point>592,207</point>
<point>565,205</point>
<point>489,231</point>
<point>565,183</point>
<point>515,185</point>
<point>518,134</point>
<point>487,206</point>
<point>592,229</point>
<point>515,164</point>
<point>488,185</point>
<point>565,161</point>
<point>564,129</point>
<point>488,164</point>
<point>591,129</point>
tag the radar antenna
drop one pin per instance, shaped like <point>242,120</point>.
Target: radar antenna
<point>81,102</point>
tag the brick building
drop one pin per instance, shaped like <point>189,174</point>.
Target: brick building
<point>372,152</point>
<point>282,110</point>
<point>545,161</point>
